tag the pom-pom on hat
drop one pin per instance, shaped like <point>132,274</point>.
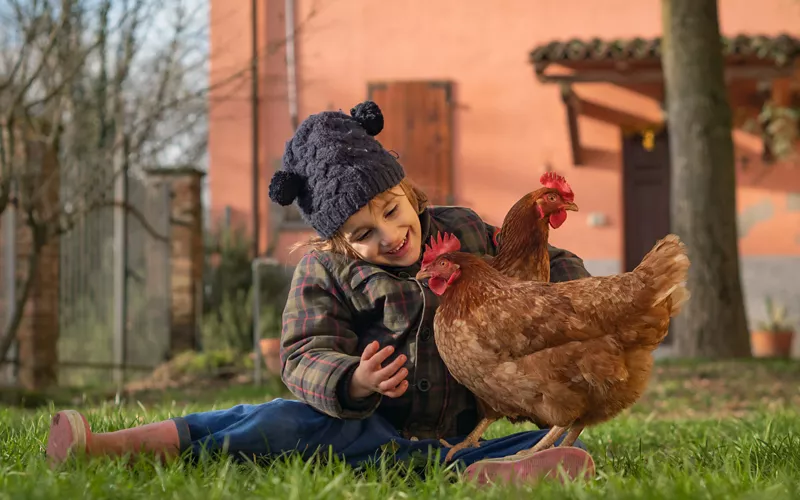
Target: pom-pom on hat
<point>333,166</point>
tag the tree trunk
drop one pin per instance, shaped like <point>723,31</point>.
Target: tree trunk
<point>713,323</point>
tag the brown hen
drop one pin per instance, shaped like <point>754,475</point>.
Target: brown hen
<point>522,253</point>
<point>569,354</point>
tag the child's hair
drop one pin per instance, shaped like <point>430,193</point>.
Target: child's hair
<point>339,244</point>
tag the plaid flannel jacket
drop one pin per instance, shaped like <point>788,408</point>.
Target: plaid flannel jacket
<point>336,306</point>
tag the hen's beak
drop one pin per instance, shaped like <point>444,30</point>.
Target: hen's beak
<point>423,274</point>
<point>571,206</point>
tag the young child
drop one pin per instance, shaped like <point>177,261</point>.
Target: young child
<point>357,344</point>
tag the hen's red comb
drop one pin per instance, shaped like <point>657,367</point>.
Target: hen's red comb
<point>555,181</point>
<point>440,245</point>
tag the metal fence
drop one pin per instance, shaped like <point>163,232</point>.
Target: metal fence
<point>105,329</point>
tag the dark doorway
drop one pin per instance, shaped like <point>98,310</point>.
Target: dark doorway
<point>646,192</point>
<point>646,195</point>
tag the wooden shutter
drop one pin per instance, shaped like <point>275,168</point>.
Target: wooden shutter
<point>418,118</point>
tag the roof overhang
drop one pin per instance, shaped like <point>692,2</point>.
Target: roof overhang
<point>771,62</point>
<point>638,60</point>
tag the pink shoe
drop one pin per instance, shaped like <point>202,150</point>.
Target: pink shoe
<point>576,464</point>
<point>70,435</point>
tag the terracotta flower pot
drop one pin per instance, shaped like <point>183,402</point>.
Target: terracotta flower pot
<point>771,344</point>
<point>270,351</point>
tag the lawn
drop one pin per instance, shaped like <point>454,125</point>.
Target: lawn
<point>712,430</point>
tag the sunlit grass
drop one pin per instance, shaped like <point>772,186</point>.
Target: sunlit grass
<point>639,455</point>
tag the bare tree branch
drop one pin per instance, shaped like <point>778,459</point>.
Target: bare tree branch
<point>68,222</point>
<point>12,325</point>
<point>51,43</point>
<point>89,94</point>
<point>21,58</point>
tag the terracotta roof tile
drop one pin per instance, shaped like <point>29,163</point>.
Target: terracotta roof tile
<point>781,49</point>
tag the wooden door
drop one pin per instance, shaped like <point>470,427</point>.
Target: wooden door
<point>646,195</point>
<point>646,198</point>
<point>418,118</point>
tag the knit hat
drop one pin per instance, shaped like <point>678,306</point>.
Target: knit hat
<point>333,166</point>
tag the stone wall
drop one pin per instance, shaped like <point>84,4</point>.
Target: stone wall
<point>187,254</point>
<point>38,332</point>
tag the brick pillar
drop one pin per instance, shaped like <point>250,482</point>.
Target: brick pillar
<point>187,253</point>
<point>37,336</point>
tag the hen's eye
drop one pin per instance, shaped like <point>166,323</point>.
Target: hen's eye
<point>441,263</point>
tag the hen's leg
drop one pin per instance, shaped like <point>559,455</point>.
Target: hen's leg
<point>572,435</point>
<point>471,440</point>
<point>546,442</point>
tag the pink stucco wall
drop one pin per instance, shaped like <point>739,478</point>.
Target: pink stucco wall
<point>505,119</point>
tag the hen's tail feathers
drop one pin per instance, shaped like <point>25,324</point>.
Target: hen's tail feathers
<point>667,268</point>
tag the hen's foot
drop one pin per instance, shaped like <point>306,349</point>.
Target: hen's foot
<point>545,443</point>
<point>562,463</point>
<point>472,441</point>
<point>463,445</point>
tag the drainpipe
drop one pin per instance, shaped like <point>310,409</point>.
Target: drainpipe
<point>291,63</point>
<point>291,84</point>
<point>256,178</point>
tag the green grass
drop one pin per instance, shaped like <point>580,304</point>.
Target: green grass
<point>744,450</point>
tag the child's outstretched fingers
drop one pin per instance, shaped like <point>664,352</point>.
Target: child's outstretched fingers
<point>371,358</point>
<point>371,377</point>
<point>389,379</point>
<point>399,390</point>
<point>370,350</point>
<point>390,371</point>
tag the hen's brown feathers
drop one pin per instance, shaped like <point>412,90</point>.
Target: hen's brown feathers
<point>570,352</point>
<point>666,267</point>
<point>537,315</point>
<point>523,252</point>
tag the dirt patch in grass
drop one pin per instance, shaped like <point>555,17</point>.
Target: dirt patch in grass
<point>188,378</point>
<point>194,377</point>
<point>717,389</point>
<point>678,389</point>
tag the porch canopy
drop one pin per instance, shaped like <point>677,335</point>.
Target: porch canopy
<point>638,60</point>
<point>757,68</point>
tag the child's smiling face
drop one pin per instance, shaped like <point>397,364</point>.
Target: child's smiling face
<point>386,231</point>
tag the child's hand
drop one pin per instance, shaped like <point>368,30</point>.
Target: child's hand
<point>370,377</point>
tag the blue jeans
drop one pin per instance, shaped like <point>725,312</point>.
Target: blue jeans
<point>282,426</point>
